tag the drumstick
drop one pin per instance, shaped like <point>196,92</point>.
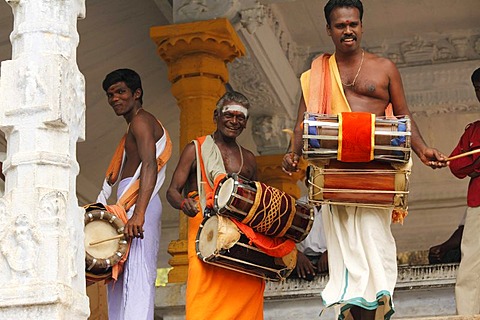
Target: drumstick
<point>118,236</point>
<point>463,154</point>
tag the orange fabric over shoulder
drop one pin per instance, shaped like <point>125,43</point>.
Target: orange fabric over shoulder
<point>320,86</point>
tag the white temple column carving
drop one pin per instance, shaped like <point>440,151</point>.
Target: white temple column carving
<point>42,113</point>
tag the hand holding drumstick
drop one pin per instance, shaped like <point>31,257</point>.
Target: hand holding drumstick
<point>290,159</point>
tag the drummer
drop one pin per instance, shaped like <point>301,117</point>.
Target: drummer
<point>360,242</point>
<point>208,286</point>
<point>132,296</point>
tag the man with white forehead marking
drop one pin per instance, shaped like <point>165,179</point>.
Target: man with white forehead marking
<point>210,288</point>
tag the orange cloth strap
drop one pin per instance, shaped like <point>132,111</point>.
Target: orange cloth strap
<point>356,136</point>
<point>120,213</point>
<point>113,170</point>
<point>129,198</point>
<point>275,247</point>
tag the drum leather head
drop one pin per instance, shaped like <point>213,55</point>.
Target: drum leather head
<point>224,192</point>
<point>207,238</point>
<point>99,258</point>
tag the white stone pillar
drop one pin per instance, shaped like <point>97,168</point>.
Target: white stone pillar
<point>42,113</point>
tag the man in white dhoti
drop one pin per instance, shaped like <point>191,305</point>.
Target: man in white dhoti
<point>140,164</point>
<point>361,248</point>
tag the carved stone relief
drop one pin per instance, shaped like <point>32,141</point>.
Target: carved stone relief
<point>33,85</point>
<point>268,135</point>
<point>193,10</point>
<point>52,205</point>
<point>73,100</point>
<point>245,78</point>
<point>252,18</point>
<point>19,244</point>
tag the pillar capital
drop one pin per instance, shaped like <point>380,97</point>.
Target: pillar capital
<point>215,41</point>
<point>196,54</point>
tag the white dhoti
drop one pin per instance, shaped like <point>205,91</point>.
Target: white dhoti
<point>467,287</point>
<point>132,296</point>
<point>362,260</point>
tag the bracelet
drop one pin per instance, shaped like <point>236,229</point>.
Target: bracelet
<point>183,203</point>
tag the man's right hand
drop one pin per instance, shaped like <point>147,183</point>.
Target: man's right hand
<point>304,267</point>
<point>290,163</point>
<point>190,207</point>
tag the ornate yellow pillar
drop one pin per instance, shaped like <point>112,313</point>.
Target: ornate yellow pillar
<point>270,172</point>
<point>196,54</point>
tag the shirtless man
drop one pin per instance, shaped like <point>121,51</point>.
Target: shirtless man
<point>208,286</point>
<point>132,296</point>
<point>365,251</point>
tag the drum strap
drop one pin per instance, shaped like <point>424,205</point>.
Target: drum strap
<point>275,247</point>
<point>120,212</point>
<point>208,189</point>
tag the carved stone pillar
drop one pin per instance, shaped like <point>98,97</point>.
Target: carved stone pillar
<point>196,54</point>
<point>42,113</point>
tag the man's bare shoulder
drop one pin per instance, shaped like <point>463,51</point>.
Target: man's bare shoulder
<point>381,62</point>
<point>145,121</point>
<point>247,152</point>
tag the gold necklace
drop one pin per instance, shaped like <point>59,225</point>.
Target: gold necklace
<point>358,72</point>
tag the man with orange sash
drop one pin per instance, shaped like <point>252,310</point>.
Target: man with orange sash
<point>361,247</point>
<point>214,292</point>
<point>140,163</point>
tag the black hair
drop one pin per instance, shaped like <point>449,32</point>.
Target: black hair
<point>476,76</point>
<point>130,77</point>
<point>332,4</point>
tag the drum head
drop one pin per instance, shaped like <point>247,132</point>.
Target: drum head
<point>207,238</point>
<point>224,193</point>
<point>99,230</point>
<point>101,225</point>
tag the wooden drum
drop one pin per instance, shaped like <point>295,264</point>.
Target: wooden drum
<point>100,258</point>
<point>265,209</point>
<point>392,138</point>
<point>372,184</point>
<point>219,242</point>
